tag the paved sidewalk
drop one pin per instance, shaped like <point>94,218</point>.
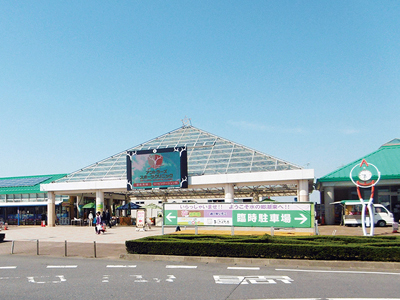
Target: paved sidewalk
<point>77,241</point>
<point>79,234</point>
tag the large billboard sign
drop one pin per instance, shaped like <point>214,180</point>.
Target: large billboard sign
<point>294,215</point>
<point>157,168</point>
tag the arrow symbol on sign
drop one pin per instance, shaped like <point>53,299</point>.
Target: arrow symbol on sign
<point>303,218</point>
<point>169,217</point>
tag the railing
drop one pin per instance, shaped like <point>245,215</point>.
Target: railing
<point>64,249</point>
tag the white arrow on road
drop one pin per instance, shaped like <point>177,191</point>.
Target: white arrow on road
<point>169,217</point>
<point>303,218</point>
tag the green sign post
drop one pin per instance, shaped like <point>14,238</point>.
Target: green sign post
<point>276,218</point>
<point>170,217</point>
<point>295,215</point>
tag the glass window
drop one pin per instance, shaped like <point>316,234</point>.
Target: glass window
<point>2,198</point>
<point>384,200</point>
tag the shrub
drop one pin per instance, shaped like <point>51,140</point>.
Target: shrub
<point>315,248</point>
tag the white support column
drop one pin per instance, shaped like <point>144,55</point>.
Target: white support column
<point>99,201</point>
<point>51,209</point>
<point>329,197</point>
<point>229,192</point>
<point>78,210</point>
<point>110,203</point>
<point>302,191</point>
<point>124,211</point>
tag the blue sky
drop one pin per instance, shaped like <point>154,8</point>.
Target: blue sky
<point>312,82</point>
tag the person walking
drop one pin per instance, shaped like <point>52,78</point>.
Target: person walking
<point>108,217</point>
<point>90,219</point>
<point>103,217</point>
<point>98,226</point>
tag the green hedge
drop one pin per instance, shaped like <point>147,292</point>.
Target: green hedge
<point>314,248</point>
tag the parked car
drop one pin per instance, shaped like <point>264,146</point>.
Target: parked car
<point>352,214</point>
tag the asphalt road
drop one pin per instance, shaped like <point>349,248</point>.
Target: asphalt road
<point>35,277</point>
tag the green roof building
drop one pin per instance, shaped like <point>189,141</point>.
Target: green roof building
<point>22,201</point>
<point>337,185</point>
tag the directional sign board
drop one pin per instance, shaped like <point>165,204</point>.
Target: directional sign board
<point>295,215</point>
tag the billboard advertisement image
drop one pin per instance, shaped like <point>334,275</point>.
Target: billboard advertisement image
<point>157,168</point>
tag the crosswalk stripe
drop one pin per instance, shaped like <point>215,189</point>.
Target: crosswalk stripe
<point>180,267</point>
<point>121,266</point>
<point>243,268</point>
<point>62,267</point>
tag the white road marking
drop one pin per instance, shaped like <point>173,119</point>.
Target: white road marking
<point>31,279</point>
<point>121,266</point>
<point>229,279</point>
<point>243,268</point>
<point>332,271</point>
<point>61,278</point>
<point>180,267</point>
<point>9,267</point>
<point>62,267</point>
<point>139,278</point>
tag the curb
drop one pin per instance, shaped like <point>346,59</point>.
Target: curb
<point>292,263</point>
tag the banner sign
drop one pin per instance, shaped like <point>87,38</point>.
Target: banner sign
<point>157,168</point>
<point>296,215</point>
<point>140,218</point>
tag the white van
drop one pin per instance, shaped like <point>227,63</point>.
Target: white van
<point>352,214</point>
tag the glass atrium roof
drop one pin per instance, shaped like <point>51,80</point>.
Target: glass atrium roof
<point>207,154</point>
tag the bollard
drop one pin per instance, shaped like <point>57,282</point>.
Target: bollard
<point>232,231</point>
<point>196,232</point>
<point>12,247</point>
<point>94,244</point>
<point>272,231</point>
<point>37,247</point>
<point>65,248</point>
<point>316,228</point>
<point>395,227</point>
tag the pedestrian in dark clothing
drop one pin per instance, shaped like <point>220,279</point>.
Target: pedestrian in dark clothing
<point>108,217</point>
